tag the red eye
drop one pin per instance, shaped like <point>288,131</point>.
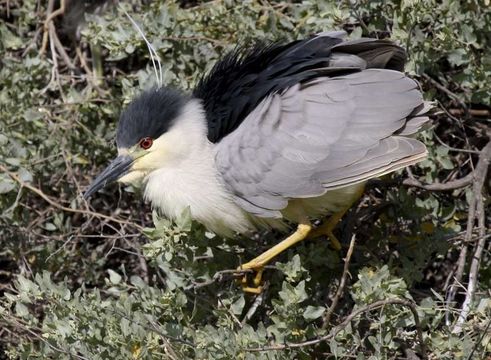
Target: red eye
<point>146,143</point>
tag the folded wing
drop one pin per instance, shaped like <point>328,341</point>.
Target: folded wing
<point>324,134</point>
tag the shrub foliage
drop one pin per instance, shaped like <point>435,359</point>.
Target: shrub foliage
<point>112,280</point>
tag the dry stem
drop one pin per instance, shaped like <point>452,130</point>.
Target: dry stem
<point>476,211</point>
<point>334,331</point>
<point>50,201</point>
<point>327,316</point>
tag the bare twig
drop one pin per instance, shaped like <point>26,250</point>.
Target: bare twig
<point>231,314</point>
<point>255,305</point>
<point>59,46</point>
<point>90,76</point>
<point>445,90</point>
<point>191,38</point>
<point>476,211</point>
<point>473,112</point>
<point>12,321</point>
<point>451,148</point>
<point>334,331</point>
<point>49,18</point>
<point>476,344</point>
<point>50,201</point>
<point>445,186</point>
<point>327,316</point>
<point>44,44</point>
<point>154,328</point>
<point>451,185</point>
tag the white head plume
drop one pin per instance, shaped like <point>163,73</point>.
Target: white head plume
<point>153,53</point>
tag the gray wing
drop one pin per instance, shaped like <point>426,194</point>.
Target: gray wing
<point>321,135</point>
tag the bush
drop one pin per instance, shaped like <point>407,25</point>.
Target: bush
<point>111,280</point>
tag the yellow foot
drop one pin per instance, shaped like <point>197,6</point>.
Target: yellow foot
<point>258,263</point>
<point>256,281</point>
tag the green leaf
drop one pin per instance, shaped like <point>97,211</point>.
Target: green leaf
<point>50,226</point>
<point>458,57</point>
<point>9,39</point>
<point>21,310</point>
<point>114,277</point>
<point>32,115</point>
<point>313,312</point>
<point>26,285</point>
<point>185,221</point>
<point>292,269</point>
<point>238,305</point>
<point>6,184</point>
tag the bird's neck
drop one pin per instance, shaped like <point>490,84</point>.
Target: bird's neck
<point>191,179</point>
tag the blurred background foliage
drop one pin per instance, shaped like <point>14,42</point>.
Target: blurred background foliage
<point>111,280</point>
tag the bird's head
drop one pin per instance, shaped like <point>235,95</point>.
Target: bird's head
<point>145,137</point>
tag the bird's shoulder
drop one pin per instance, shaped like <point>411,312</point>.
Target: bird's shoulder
<point>246,75</point>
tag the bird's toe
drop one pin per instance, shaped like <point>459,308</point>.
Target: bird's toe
<point>256,281</point>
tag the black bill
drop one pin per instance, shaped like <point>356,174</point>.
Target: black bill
<point>117,168</point>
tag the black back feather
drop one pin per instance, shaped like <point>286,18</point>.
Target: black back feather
<point>239,82</point>
<point>244,77</point>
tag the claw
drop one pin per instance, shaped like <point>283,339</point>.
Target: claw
<point>257,280</point>
<point>258,277</point>
<point>252,290</point>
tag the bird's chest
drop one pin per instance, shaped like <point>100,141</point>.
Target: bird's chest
<point>172,191</point>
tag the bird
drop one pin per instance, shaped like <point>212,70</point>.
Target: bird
<point>277,133</point>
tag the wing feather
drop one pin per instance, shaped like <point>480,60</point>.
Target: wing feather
<point>324,134</point>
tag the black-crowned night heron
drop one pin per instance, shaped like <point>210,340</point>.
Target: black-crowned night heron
<point>278,132</point>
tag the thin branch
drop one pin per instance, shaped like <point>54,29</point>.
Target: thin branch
<point>458,183</point>
<point>474,272</point>
<point>255,305</point>
<point>445,90</point>
<point>191,38</point>
<point>450,148</point>
<point>473,112</point>
<point>476,210</point>
<point>450,185</point>
<point>154,328</point>
<point>28,328</point>
<point>50,201</point>
<point>327,316</point>
<point>231,314</point>
<point>59,46</point>
<point>476,344</point>
<point>334,331</point>
<point>44,44</point>
<point>51,15</point>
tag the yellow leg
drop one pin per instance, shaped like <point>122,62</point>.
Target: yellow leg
<point>327,227</point>
<point>258,263</point>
